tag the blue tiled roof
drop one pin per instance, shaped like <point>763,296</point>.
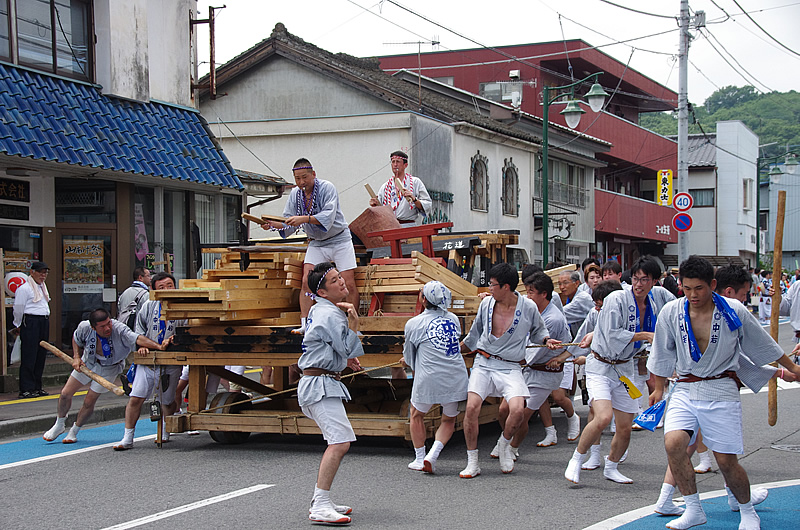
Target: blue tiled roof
<point>47,118</point>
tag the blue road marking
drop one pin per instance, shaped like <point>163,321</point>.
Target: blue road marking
<point>88,437</point>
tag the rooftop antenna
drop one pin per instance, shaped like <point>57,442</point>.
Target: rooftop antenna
<point>419,44</point>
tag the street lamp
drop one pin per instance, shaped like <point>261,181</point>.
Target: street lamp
<point>572,115</point>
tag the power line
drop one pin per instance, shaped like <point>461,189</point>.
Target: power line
<point>703,74</point>
<point>729,63</point>
<point>637,11</point>
<point>762,29</point>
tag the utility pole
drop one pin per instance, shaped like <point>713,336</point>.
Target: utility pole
<point>683,120</point>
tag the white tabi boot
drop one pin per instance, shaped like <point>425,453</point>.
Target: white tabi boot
<point>573,427</point>
<point>757,496</point>
<point>56,430</point>
<point>323,510</point>
<point>573,471</point>
<point>472,470</point>
<point>324,496</point>
<point>665,505</point>
<point>72,435</point>
<point>429,464</point>
<point>705,463</point>
<point>750,519</point>
<point>550,439</point>
<point>693,516</point>
<point>302,329</point>
<point>506,456</point>
<point>611,473</point>
<point>595,458</point>
<point>417,464</point>
<point>496,451</point>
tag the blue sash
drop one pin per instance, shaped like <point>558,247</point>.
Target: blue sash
<point>650,318</point>
<point>731,318</point>
<point>106,347</point>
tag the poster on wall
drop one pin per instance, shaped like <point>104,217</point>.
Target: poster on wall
<point>142,247</point>
<point>83,266</point>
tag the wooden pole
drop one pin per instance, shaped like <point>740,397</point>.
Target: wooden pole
<point>93,376</point>
<point>777,255</point>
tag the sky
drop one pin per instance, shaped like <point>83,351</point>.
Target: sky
<point>366,28</point>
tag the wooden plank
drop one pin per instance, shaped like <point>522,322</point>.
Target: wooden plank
<point>382,324</point>
<point>451,280</point>
<point>270,291</point>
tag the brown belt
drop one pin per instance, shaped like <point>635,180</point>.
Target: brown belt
<point>691,378</point>
<point>321,371</point>
<point>542,367</point>
<point>607,361</point>
<point>407,221</point>
<point>490,356</point>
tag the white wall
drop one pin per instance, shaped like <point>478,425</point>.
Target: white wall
<point>737,151</point>
<point>122,50</point>
<point>169,51</point>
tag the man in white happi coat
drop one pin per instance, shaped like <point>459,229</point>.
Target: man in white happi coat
<point>147,379</point>
<point>627,320</point>
<point>790,306</point>
<point>702,337</point>
<point>314,206</point>
<point>499,335</point>
<point>544,367</point>
<point>330,345</point>
<point>440,376</point>
<point>101,344</point>
<point>410,205</point>
<point>577,304</point>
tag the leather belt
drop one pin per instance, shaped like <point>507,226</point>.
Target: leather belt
<point>490,356</point>
<point>542,367</point>
<point>407,221</point>
<point>691,378</point>
<point>607,361</point>
<point>322,371</point>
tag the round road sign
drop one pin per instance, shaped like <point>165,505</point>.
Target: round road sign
<point>682,222</point>
<point>682,202</point>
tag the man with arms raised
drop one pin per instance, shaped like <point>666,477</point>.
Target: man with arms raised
<point>701,338</point>
<point>499,335</point>
<point>314,206</point>
<point>410,205</point>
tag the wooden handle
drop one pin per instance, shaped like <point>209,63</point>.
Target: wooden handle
<point>777,266</point>
<point>369,190</point>
<point>263,219</point>
<point>93,376</point>
<point>253,218</point>
<point>402,190</point>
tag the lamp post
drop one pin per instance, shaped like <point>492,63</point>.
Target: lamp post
<point>572,115</point>
<point>790,167</point>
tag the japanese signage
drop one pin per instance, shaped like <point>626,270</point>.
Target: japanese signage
<point>150,262</point>
<point>83,266</point>
<point>665,187</point>
<point>15,190</point>
<point>17,213</point>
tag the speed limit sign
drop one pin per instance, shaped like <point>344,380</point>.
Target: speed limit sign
<point>682,202</point>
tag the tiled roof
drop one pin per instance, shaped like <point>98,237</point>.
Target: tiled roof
<point>702,150</point>
<point>47,118</point>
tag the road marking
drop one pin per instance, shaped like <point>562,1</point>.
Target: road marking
<point>634,515</point>
<point>188,507</point>
<point>70,453</point>
<point>40,398</point>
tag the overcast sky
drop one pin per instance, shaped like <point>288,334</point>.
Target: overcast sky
<point>365,27</point>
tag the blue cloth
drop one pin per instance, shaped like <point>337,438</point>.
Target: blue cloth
<point>729,314</point>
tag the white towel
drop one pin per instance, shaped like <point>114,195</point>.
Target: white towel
<point>39,290</point>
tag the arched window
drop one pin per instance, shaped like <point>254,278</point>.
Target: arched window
<point>510,196</point>
<point>479,183</point>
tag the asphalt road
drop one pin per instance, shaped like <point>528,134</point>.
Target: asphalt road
<point>269,480</point>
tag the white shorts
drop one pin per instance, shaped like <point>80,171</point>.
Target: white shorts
<point>720,421</point>
<point>487,383</point>
<point>331,418</point>
<point>602,387</point>
<point>148,380</point>
<point>569,374</point>
<point>342,255</point>
<point>538,397</point>
<point>185,373</point>
<point>448,409</point>
<point>106,372</point>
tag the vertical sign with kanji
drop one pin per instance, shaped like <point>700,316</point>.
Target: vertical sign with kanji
<point>665,187</point>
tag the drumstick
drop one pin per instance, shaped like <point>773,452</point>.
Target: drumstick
<point>402,190</point>
<point>93,376</point>
<point>369,190</point>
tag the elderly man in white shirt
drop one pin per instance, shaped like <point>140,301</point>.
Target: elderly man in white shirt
<point>32,319</point>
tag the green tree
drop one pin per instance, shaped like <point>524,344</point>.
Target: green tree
<point>729,97</point>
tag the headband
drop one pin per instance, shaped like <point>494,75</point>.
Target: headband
<point>322,279</point>
<point>302,167</point>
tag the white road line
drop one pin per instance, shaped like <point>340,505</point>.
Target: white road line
<point>633,515</point>
<point>188,507</point>
<point>70,453</point>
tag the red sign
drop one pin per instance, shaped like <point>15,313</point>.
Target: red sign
<point>682,202</point>
<point>682,222</point>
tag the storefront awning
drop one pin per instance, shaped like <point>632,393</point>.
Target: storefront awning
<point>52,119</point>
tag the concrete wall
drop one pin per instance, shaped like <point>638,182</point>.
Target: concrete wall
<point>123,48</point>
<point>737,151</point>
<point>169,51</point>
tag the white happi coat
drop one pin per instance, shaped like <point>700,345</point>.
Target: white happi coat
<point>557,329</point>
<point>790,306</point>
<point>122,342</point>
<point>511,344</point>
<point>431,350</point>
<point>671,353</point>
<point>578,307</point>
<point>403,210</point>
<point>589,323</point>
<point>327,344</point>
<point>325,209</point>
<point>616,325</point>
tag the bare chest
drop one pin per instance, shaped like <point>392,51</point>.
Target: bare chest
<point>502,317</point>
<point>701,327</point>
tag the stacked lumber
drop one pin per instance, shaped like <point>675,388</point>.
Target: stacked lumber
<point>553,273</point>
<point>268,291</point>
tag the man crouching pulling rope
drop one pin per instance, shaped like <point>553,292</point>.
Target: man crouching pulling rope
<point>330,345</point>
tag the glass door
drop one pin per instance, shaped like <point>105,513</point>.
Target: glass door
<point>87,274</point>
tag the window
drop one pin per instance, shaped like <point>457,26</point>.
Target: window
<point>501,91</point>
<point>703,197</point>
<point>479,183</point>
<point>747,194</point>
<point>447,80</point>
<point>51,35</point>
<point>510,197</point>
<point>567,184</point>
